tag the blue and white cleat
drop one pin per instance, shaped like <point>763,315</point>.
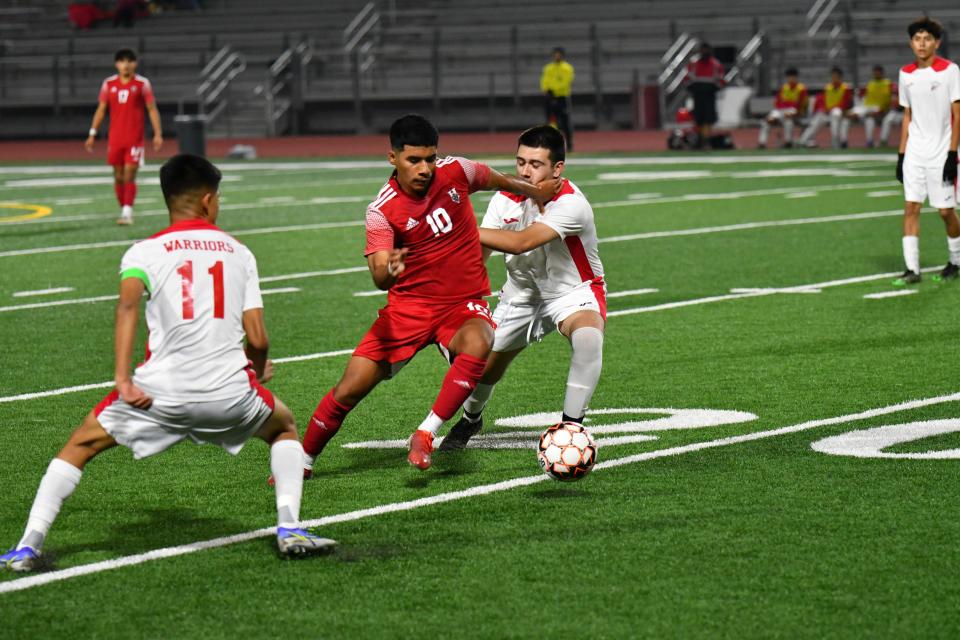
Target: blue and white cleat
<point>20,560</point>
<point>300,542</point>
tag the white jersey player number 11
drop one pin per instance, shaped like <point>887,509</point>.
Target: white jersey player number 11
<point>186,287</point>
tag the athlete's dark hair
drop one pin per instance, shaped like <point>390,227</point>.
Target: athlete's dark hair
<point>837,70</point>
<point>928,24</point>
<point>545,137</point>
<point>878,68</point>
<point>414,130</point>
<point>184,174</point>
<point>125,54</point>
<point>791,71</point>
<point>561,51</point>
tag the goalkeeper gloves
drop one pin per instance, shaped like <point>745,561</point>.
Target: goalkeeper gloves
<point>950,168</point>
<point>900,168</point>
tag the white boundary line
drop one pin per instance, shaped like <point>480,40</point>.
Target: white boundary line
<point>42,292</point>
<point>480,490</point>
<point>890,294</point>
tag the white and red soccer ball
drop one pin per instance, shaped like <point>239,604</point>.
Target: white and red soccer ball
<point>566,451</point>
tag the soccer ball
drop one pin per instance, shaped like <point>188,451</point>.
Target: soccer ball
<point>566,451</point>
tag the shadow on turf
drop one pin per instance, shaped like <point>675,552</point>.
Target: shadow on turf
<point>559,493</point>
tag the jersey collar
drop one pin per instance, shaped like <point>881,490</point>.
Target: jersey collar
<point>195,224</point>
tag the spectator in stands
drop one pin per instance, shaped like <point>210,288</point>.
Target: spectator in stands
<point>894,117</point>
<point>833,105</point>
<point>704,79</point>
<point>125,12</point>
<point>877,100</point>
<point>789,106</point>
<point>556,83</point>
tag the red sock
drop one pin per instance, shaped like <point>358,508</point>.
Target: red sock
<point>118,189</point>
<point>129,193</point>
<point>458,384</point>
<point>324,424</point>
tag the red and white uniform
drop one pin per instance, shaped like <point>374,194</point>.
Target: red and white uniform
<point>444,281</point>
<point>548,284</point>
<point>127,102</point>
<point>929,94</point>
<point>200,281</point>
<point>706,70</point>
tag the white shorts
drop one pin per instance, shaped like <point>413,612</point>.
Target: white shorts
<point>922,183</point>
<point>862,111</point>
<point>227,423</point>
<point>520,324</point>
<point>780,114</point>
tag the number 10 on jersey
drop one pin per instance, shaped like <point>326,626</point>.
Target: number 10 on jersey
<point>186,288</point>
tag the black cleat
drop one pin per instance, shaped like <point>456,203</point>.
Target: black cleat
<point>908,277</point>
<point>460,435</point>
<point>949,272</point>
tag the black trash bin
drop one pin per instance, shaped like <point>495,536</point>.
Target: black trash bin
<point>191,134</point>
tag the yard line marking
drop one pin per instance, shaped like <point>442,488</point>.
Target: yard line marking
<point>276,199</point>
<point>58,303</point>
<point>883,194</point>
<point>801,194</point>
<point>42,292</point>
<point>56,392</point>
<point>774,290</point>
<point>369,294</point>
<point>66,201</point>
<point>267,292</point>
<point>240,232</point>
<point>631,292</point>
<point>313,274</point>
<point>314,356</point>
<point>890,294</point>
<point>37,580</point>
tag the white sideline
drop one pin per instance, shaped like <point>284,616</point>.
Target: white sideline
<point>735,195</point>
<point>890,294</point>
<point>60,303</point>
<point>480,490</point>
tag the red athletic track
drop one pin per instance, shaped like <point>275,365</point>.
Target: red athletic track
<point>376,145</point>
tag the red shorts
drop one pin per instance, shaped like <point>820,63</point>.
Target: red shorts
<point>401,330</point>
<point>124,154</point>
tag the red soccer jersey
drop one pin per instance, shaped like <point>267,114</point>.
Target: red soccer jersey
<point>444,262</point>
<point>127,102</point>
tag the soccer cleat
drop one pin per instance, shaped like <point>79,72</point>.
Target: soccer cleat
<point>307,474</point>
<point>421,446</point>
<point>460,434</point>
<point>300,542</point>
<point>20,560</point>
<point>124,221</point>
<point>949,272</point>
<point>908,277</point>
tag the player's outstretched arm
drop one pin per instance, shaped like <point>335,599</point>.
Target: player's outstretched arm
<point>98,117</point>
<point>258,344</point>
<point>128,313</point>
<point>536,235</point>
<point>154,114</point>
<point>386,267</point>
<point>542,191</point>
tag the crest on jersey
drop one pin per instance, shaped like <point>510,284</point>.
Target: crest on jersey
<point>454,195</point>
<point>411,223</point>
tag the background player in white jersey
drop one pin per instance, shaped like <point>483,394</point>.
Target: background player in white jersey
<point>198,381</point>
<point>554,281</point>
<point>927,166</point>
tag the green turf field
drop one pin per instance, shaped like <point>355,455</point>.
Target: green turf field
<point>740,333</point>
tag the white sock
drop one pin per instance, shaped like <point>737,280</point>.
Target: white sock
<point>844,130</point>
<point>885,127</point>
<point>57,485</point>
<point>478,400</point>
<point>286,464</point>
<point>126,211</point>
<point>788,129</point>
<point>764,132</point>
<point>585,365</point>
<point>868,127</point>
<point>911,253</point>
<point>431,423</point>
<point>953,246</point>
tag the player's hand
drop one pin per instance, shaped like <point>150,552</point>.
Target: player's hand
<point>950,168</point>
<point>88,145</point>
<point>900,168</point>
<point>134,395</point>
<point>396,262</point>
<point>548,189</point>
<point>267,372</point>
<point>157,142</point>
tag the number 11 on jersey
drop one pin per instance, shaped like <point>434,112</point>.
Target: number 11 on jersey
<point>186,288</point>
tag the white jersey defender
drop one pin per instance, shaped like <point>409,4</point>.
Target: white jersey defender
<point>200,281</point>
<point>550,283</point>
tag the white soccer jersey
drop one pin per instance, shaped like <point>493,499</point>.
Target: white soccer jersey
<point>929,93</point>
<point>561,265</point>
<point>200,282</point>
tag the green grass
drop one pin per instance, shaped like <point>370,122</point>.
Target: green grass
<point>761,538</point>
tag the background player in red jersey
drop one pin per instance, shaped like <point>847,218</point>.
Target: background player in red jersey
<point>127,95</point>
<point>424,248</point>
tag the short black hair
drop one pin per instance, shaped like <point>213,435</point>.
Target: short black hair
<point>413,130</point>
<point>125,54</point>
<point>791,71</point>
<point>837,70</point>
<point>877,67</point>
<point>545,137</point>
<point>183,174</point>
<point>928,24</point>
<point>561,51</point>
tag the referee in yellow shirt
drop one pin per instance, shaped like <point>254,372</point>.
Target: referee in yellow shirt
<point>556,84</point>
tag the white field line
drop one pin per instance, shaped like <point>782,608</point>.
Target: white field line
<point>890,294</point>
<point>42,292</point>
<point>631,292</point>
<point>369,294</point>
<point>240,232</point>
<point>57,303</point>
<point>313,274</point>
<point>268,292</point>
<point>623,312</point>
<point>473,492</point>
